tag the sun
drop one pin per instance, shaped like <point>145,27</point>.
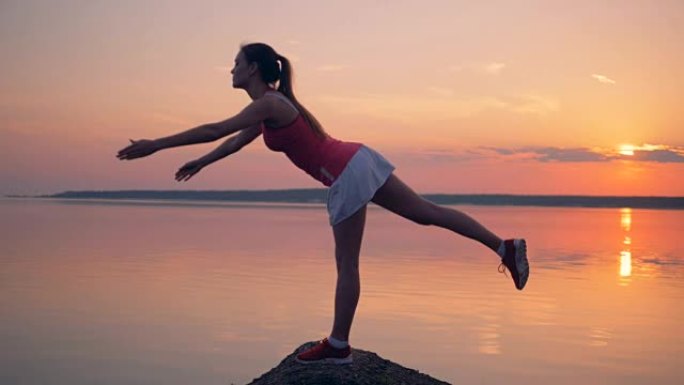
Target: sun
<point>627,149</point>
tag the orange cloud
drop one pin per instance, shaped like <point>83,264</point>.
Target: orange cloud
<point>603,79</point>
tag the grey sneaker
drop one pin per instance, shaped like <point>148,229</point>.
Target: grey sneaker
<point>515,260</point>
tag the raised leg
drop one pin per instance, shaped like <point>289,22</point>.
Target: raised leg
<point>398,198</point>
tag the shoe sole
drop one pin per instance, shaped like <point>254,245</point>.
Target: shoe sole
<point>521,262</point>
<point>333,361</point>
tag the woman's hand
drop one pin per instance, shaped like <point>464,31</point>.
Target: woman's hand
<point>189,169</point>
<point>138,149</point>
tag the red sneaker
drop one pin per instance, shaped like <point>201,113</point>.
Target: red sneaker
<point>515,260</point>
<point>323,352</point>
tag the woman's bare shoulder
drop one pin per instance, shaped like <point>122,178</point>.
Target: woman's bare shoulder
<point>284,111</point>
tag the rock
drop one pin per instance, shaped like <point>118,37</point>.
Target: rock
<point>367,369</point>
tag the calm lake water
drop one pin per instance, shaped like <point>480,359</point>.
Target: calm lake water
<point>133,293</point>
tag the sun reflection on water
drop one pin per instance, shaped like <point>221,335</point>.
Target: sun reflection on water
<point>625,264</point>
<point>599,336</point>
<point>626,219</point>
<point>626,253</point>
<point>489,337</point>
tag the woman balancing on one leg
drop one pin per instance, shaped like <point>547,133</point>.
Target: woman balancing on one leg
<point>355,174</point>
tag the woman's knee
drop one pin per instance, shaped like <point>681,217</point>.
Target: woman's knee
<point>347,258</point>
<point>349,265</point>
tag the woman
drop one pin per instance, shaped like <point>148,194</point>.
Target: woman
<point>355,174</point>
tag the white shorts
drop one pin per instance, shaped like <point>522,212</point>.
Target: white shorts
<point>365,173</point>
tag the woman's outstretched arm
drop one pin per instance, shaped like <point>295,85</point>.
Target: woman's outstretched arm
<point>230,146</point>
<point>256,112</point>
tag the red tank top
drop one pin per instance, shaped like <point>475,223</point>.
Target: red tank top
<point>322,158</point>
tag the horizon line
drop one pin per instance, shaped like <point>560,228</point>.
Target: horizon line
<point>318,189</point>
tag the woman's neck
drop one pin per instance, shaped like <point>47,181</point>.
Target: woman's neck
<point>258,90</point>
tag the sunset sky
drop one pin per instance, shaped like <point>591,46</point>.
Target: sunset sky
<point>523,97</point>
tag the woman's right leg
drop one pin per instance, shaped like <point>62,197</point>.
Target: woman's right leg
<point>398,198</point>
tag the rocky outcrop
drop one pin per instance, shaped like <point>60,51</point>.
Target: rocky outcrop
<point>367,369</point>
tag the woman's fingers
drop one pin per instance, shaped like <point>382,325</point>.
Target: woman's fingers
<point>183,178</point>
<point>129,151</point>
<point>137,149</point>
<point>188,175</point>
<point>123,156</point>
<point>184,174</point>
<point>130,155</point>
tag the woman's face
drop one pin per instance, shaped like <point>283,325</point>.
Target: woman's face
<point>240,70</point>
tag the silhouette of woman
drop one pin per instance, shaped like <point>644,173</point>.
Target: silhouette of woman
<point>354,173</point>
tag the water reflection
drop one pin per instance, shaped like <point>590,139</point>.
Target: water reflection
<point>626,253</point>
<point>599,336</point>
<point>172,299</point>
<point>625,264</point>
<point>488,335</point>
<point>626,219</point>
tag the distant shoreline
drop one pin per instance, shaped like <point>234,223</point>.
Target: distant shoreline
<point>318,196</point>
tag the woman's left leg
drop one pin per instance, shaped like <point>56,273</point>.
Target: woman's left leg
<point>348,235</point>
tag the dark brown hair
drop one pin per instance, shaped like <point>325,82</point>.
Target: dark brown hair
<point>271,71</point>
